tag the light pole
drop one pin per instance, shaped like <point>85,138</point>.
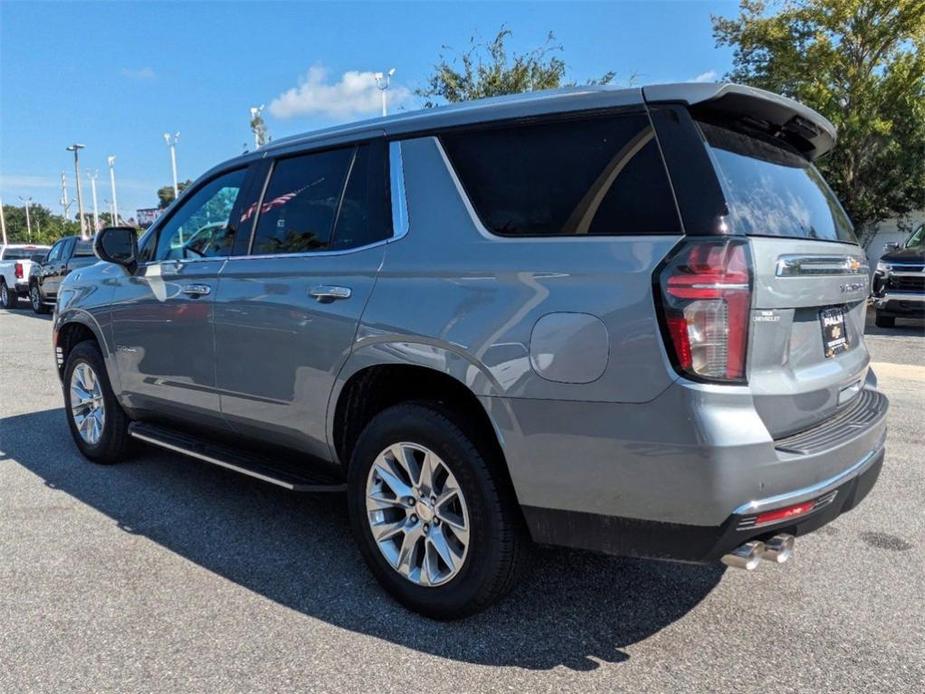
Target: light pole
<point>172,144</point>
<point>27,201</point>
<point>259,127</point>
<point>65,203</point>
<point>75,148</point>
<point>96,218</point>
<point>382,82</point>
<point>111,160</point>
<point>2,222</point>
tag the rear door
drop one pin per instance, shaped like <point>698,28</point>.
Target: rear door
<point>287,310</point>
<point>82,255</point>
<point>810,285</point>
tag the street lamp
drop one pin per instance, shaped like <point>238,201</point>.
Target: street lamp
<point>111,160</point>
<point>75,148</point>
<point>93,175</point>
<point>172,144</point>
<point>65,203</point>
<point>27,201</point>
<point>382,82</point>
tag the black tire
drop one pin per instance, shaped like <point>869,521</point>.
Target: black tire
<point>882,321</point>
<point>498,542</point>
<point>113,444</point>
<point>9,299</point>
<point>35,298</point>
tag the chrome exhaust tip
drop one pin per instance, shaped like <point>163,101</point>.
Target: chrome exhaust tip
<point>778,549</point>
<point>746,556</point>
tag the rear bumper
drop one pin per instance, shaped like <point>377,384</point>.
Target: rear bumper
<point>22,287</point>
<point>681,477</point>
<point>702,544</point>
<point>897,303</point>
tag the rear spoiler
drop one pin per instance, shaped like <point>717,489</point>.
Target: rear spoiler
<point>809,132</point>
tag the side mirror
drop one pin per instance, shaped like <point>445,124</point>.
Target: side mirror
<point>117,245</point>
<point>891,246</point>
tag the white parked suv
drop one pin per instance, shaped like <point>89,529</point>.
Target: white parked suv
<point>15,262</point>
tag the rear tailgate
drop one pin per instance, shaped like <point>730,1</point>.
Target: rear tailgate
<point>806,348</point>
<point>740,160</point>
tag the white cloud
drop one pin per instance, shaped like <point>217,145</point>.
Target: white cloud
<point>354,94</point>
<point>142,73</point>
<point>708,76</point>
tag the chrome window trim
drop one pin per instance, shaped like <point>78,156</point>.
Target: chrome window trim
<point>795,265</point>
<point>397,190</point>
<point>309,254</point>
<point>565,238</point>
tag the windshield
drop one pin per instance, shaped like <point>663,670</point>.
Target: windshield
<point>773,191</point>
<point>917,240</point>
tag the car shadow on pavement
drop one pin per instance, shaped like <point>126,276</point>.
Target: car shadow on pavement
<point>25,310</point>
<point>573,609</point>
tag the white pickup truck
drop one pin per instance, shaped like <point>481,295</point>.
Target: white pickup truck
<point>15,262</point>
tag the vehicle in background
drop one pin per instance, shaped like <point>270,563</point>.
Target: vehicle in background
<point>15,263</point>
<point>622,320</point>
<point>67,254</point>
<point>899,281</point>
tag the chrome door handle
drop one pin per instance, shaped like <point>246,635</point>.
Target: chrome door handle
<point>327,292</point>
<point>197,289</point>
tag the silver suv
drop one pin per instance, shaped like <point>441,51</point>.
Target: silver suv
<point>625,320</point>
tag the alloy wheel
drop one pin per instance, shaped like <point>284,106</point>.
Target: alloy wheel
<point>417,514</point>
<point>88,409</point>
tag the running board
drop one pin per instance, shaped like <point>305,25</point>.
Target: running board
<point>301,480</point>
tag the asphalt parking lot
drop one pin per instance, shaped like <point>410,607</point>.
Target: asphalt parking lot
<point>165,574</point>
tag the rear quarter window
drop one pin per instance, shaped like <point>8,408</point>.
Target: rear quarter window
<point>570,177</point>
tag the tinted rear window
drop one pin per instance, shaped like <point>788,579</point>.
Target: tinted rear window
<point>601,176</point>
<point>21,253</point>
<point>773,191</point>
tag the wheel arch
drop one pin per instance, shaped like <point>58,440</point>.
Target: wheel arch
<point>367,385</point>
<point>73,327</point>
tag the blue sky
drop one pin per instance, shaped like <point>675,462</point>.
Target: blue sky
<point>116,76</point>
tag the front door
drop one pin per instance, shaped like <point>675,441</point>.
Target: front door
<point>53,268</point>
<point>286,314</point>
<point>162,315</point>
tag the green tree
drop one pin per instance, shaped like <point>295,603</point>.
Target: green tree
<point>165,194</point>
<point>46,226</point>
<point>860,64</point>
<point>488,69</point>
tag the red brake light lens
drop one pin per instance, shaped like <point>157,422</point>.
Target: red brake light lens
<point>18,271</point>
<point>705,292</point>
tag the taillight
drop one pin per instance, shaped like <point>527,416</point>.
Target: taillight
<point>705,294</point>
<point>18,271</point>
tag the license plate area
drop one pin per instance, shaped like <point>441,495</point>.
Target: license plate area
<point>834,331</point>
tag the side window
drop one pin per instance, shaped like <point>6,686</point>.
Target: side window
<point>84,249</point>
<point>300,204</point>
<point>55,253</point>
<point>364,213</point>
<point>200,228</point>
<point>596,175</point>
